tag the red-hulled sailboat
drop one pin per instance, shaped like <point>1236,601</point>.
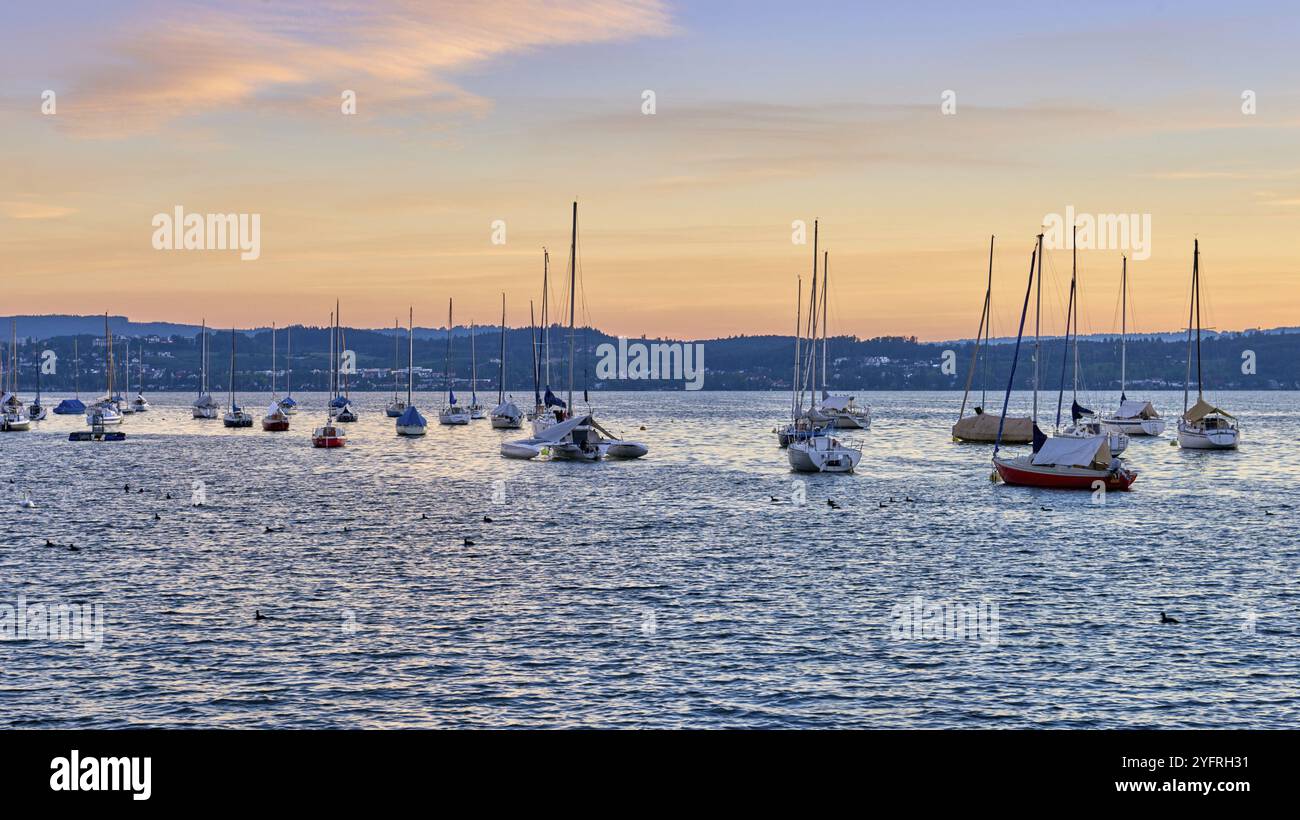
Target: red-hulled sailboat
<point>330,434</point>
<point>1061,463</point>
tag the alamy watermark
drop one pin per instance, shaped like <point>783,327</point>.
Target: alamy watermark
<point>1099,232</point>
<point>675,361</point>
<point>922,620</point>
<point>180,231</point>
<point>52,622</point>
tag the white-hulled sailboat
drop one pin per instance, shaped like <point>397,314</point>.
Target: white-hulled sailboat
<point>139,404</point>
<point>840,411</point>
<point>476,409</point>
<point>451,413</point>
<point>288,404</point>
<point>204,407</point>
<point>410,423</point>
<point>235,415</point>
<point>1202,426</point>
<point>1134,417</point>
<point>395,407</point>
<point>506,415</point>
<point>330,434</point>
<point>1084,423</point>
<point>104,412</point>
<point>981,427</point>
<point>275,420</point>
<point>573,437</point>
<point>13,416</point>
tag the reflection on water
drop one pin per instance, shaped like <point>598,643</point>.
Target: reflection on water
<point>673,591</point>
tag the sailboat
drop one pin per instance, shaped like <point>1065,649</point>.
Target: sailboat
<point>275,420</point>
<point>104,411</point>
<point>1058,462</point>
<point>1084,423</point>
<point>123,405</point>
<point>506,415</point>
<point>13,416</point>
<point>573,437</point>
<point>542,416</point>
<point>204,407</point>
<point>982,427</point>
<point>840,411</point>
<point>451,412</point>
<point>410,423</point>
<point>396,406</point>
<point>1134,416</point>
<point>476,409</point>
<point>330,435</point>
<point>73,406</point>
<point>340,406</point>
<point>288,404</point>
<point>818,451</point>
<point>139,404</point>
<point>235,415</point>
<point>1202,426</point>
<point>36,410</point>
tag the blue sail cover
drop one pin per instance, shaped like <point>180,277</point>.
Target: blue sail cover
<point>70,407</point>
<point>339,401</point>
<point>451,397</point>
<point>411,418</point>
<point>288,401</point>
<point>552,401</point>
<point>1078,411</point>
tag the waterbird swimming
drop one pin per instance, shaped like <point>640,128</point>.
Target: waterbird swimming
<point>1165,619</point>
<point>258,616</point>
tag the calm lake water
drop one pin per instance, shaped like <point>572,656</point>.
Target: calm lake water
<point>668,592</point>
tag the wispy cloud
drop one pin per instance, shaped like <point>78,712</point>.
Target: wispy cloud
<point>33,210</point>
<point>189,59</point>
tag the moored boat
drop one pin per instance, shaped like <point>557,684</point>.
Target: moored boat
<point>1202,426</point>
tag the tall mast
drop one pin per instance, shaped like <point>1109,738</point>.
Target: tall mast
<point>573,278</point>
<point>795,405</point>
<point>546,320</point>
<point>76,368</point>
<point>1065,349</point>
<point>396,339</point>
<point>232,368</point>
<point>288,361</point>
<point>1038,312</point>
<point>501,380</point>
<point>1074,307</point>
<point>446,362</point>
<point>1123,328</point>
<point>826,278</point>
<point>812,330</point>
<point>330,365</point>
<point>410,353</point>
<point>272,360</point>
<point>108,360</point>
<point>1015,359</point>
<point>979,335</point>
<point>473,366</point>
<point>1196,277</point>
<point>532,326</point>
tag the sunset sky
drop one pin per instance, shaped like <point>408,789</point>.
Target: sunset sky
<point>766,113</point>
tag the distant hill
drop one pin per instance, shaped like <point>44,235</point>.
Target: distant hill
<point>1246,360</point>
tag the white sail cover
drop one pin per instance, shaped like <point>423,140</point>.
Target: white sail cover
<point>205,401</point>
<point>1073,452</point>
<point>508,409</point>
<point>837,403</point>
<point>275,410</point>
<point>1133,409</point>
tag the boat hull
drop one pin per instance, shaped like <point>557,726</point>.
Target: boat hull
<point>1136,427</point>
<point>506,423</point>
<point>808,457</point>
<point>15,425</point>
<point>520,449</point>
<point>275,425</point>
<point>627,449</point>
<point>450,419</point>
<point>412,429</point>
<point>1019,472</point>
<point>328,441</point>
<point>205,412</point>
<point>1192,439</point>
